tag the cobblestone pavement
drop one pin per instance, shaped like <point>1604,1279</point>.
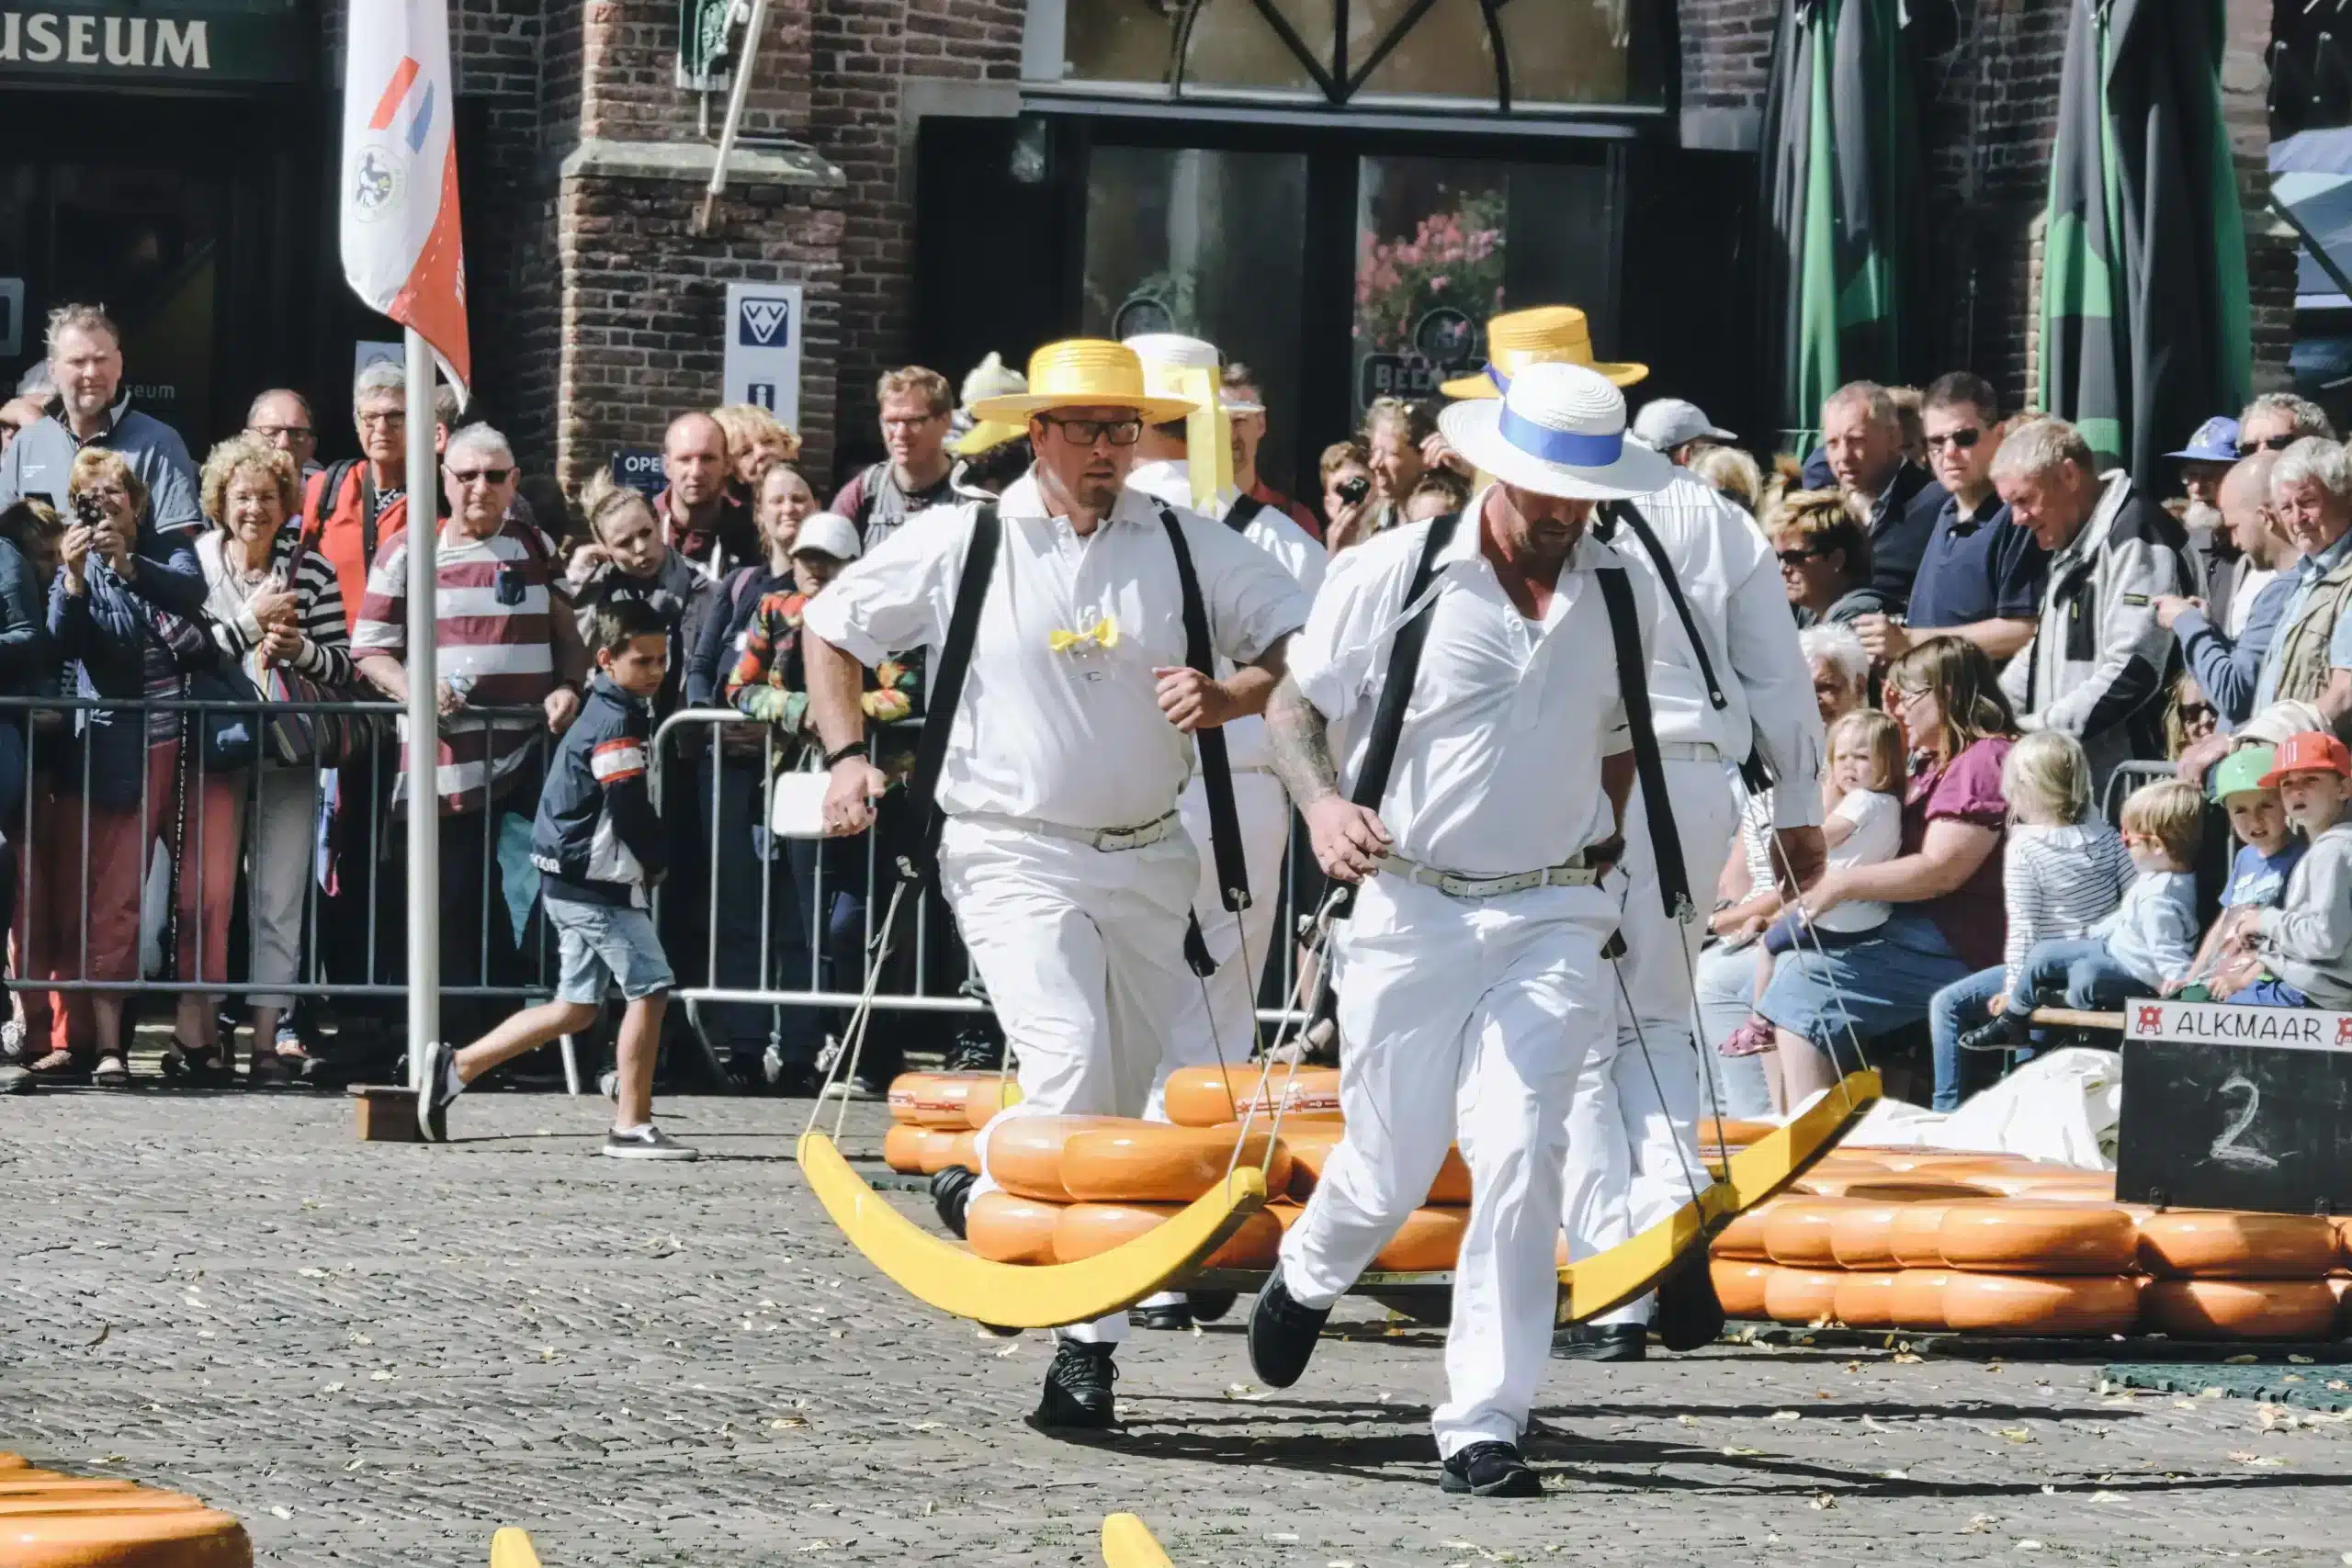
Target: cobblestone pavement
<point>375,1354</point>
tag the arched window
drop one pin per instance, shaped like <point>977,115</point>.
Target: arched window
<point>1490,56</point>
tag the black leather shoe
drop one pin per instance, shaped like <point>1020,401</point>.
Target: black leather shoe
<point>951,1194</point>
<point>1077,1389</point>
<point>2002,1034</point>
<point>1489,1470</point>
<point>1282,1333</point>
<point>1690,1314</point>
<point>1610,1342</point>
<point>1210,1305</point>
<point>1169,1315</point>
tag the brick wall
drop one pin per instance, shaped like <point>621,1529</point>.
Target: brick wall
<point>1726,53</point>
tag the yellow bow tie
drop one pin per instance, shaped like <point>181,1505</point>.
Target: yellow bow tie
<point>1102,634</point>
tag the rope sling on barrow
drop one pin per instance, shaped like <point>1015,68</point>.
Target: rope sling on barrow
<point>939,1273</point>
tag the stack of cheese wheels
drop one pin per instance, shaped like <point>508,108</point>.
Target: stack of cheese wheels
<point>1430,1239</point>
<point>929,1112</point>
<point>1211,1096</point>
<point>53,1520</point>
<point>1076,1186</point>
<point>1994,1245</point>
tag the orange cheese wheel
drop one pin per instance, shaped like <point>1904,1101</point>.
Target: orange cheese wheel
<point>1743,1238</point>
<point>1801,1296</point>
<point>1004,1227</point>
<point>1025,1153</point>
<point>1916,1299</point>
<point>1151,1162</point>
<point>2241,1309</point>
<point>2031,1176</point>
<point>1799,1233</point>
<point>903,1091</point>
<point>902,1147</point>
<point>1865,1298</point>
<point>938,1150</point>
<point>2228,1245</point>
<point>1430,1239</point>
<point>1084,1230</point>
<point>1739,1285</point>
<point>984,1100</point>
<point>1208,1097</point>
<point>1895,1185</point>
<point>1917,1235</point>
<point>2019,1236</point>
<point>189,1537</point>
<point>1311,1142</point>
<point>2342,1224</point>
<point>1733,1131</point>
<point>962,1150</point>
<point>2025,1304</point>
<point>1861,1233</point>
<point>942,1100</point>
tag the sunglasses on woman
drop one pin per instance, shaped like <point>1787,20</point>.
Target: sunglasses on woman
<point>1797,557</point>
<point>2267,443</point>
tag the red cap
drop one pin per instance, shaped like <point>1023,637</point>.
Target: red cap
<point>2312,751</point>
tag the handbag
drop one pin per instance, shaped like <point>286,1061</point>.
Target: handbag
<point>796,803</point>
<point>228,738</point>
<point>300,739</point>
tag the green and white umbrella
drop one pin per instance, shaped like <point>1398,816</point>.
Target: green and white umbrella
<point>2145,323</point>
<point>1841,203</point>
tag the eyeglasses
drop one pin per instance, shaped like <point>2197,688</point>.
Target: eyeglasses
<point>1903,698</point>
<point>1961,440</point>
<point>369,421</point>
<point>479,476</point>
<point>2267,443</point>
<point>104,493</point>
<point>284,431</point>
<point>2195,713</point>
<point>1798,557</point>
<point>1086,432</point>
<point>914,422</point>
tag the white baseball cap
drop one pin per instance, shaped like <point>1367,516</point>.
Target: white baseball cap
<point>827,533</point>
<point>1664,423</point>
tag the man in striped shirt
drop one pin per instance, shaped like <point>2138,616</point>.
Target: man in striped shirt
<point>504,642</point>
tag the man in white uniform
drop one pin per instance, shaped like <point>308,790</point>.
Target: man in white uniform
<point>1178,462</point>
<point>1741,686</point>
<point>1061,854</point>
<point>1471,986</point>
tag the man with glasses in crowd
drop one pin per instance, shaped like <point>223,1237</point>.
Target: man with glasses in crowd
<point>1062,854</point>
<point>2276,421</point>
<point>1980,575</point>
<point>281,416</point>
<point>918,407</point>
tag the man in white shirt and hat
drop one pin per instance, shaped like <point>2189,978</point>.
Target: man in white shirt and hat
<point>1470,980</point>
<point>1060,849</point>
<point>1188,463</point>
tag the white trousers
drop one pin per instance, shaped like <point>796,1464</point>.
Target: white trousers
<point>1469,1020</point>
<point>1242,945</point>
<point>1083,954</point>
<point>1633,1135</point>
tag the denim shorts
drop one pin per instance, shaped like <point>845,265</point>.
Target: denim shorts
<point>601,943</point>
<point>1878,984</point>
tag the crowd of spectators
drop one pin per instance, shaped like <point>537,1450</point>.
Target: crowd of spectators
<point>2084,725</point>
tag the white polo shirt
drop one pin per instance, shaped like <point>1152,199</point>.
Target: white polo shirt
<point>1498,769</point>
<point>1073,737</point>
<point>1732,582</point>
<point>1272,531</point>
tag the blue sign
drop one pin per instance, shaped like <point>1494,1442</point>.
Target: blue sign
<point>763,321</point>
<point>638,467</point>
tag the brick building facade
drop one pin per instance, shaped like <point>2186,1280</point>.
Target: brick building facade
<point>873,172</point>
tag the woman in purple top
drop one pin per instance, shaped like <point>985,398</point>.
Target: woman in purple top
<point>1945,886</point>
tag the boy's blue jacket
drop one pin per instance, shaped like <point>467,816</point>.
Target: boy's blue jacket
<point>597,839</point>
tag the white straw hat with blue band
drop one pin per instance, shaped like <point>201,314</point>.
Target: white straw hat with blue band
<point>1559,430</point>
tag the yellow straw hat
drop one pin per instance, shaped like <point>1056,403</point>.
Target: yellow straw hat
<point>1548,335</point>
<point>1083,372</point>
<point>992,377</point>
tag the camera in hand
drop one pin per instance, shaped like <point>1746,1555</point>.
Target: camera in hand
<point>87,511</point>
<point>1354,488</point>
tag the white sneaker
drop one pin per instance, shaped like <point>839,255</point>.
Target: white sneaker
<point>647,1142</point>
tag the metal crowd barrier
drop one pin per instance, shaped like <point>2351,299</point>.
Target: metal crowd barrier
<point>57,816</point>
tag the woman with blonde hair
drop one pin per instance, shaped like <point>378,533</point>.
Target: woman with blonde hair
<point>1734,476</point>
<point>754,440</point>
<point>1944,884</point>
<point>1825,555</point>
<point>275,607</point>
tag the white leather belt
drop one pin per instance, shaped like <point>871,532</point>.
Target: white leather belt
<point>1688,751</point>
<point>1110,840</point>
<point>1571,873</point>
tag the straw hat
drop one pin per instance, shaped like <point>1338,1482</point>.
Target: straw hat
<point>1083,372</point>
<point>1560,430</point>
<point>1548,335</point>
<point>992,377</point>
<point>1175,366</point>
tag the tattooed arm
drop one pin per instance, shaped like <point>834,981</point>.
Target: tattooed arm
<point>1349,838</point>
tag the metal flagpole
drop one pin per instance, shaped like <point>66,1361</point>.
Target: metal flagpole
<point>424,718</point>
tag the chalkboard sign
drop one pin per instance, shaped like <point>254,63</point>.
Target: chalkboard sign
<point>2237,1108</point>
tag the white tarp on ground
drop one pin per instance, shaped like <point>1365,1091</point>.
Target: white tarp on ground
<point>2063,1106</point>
